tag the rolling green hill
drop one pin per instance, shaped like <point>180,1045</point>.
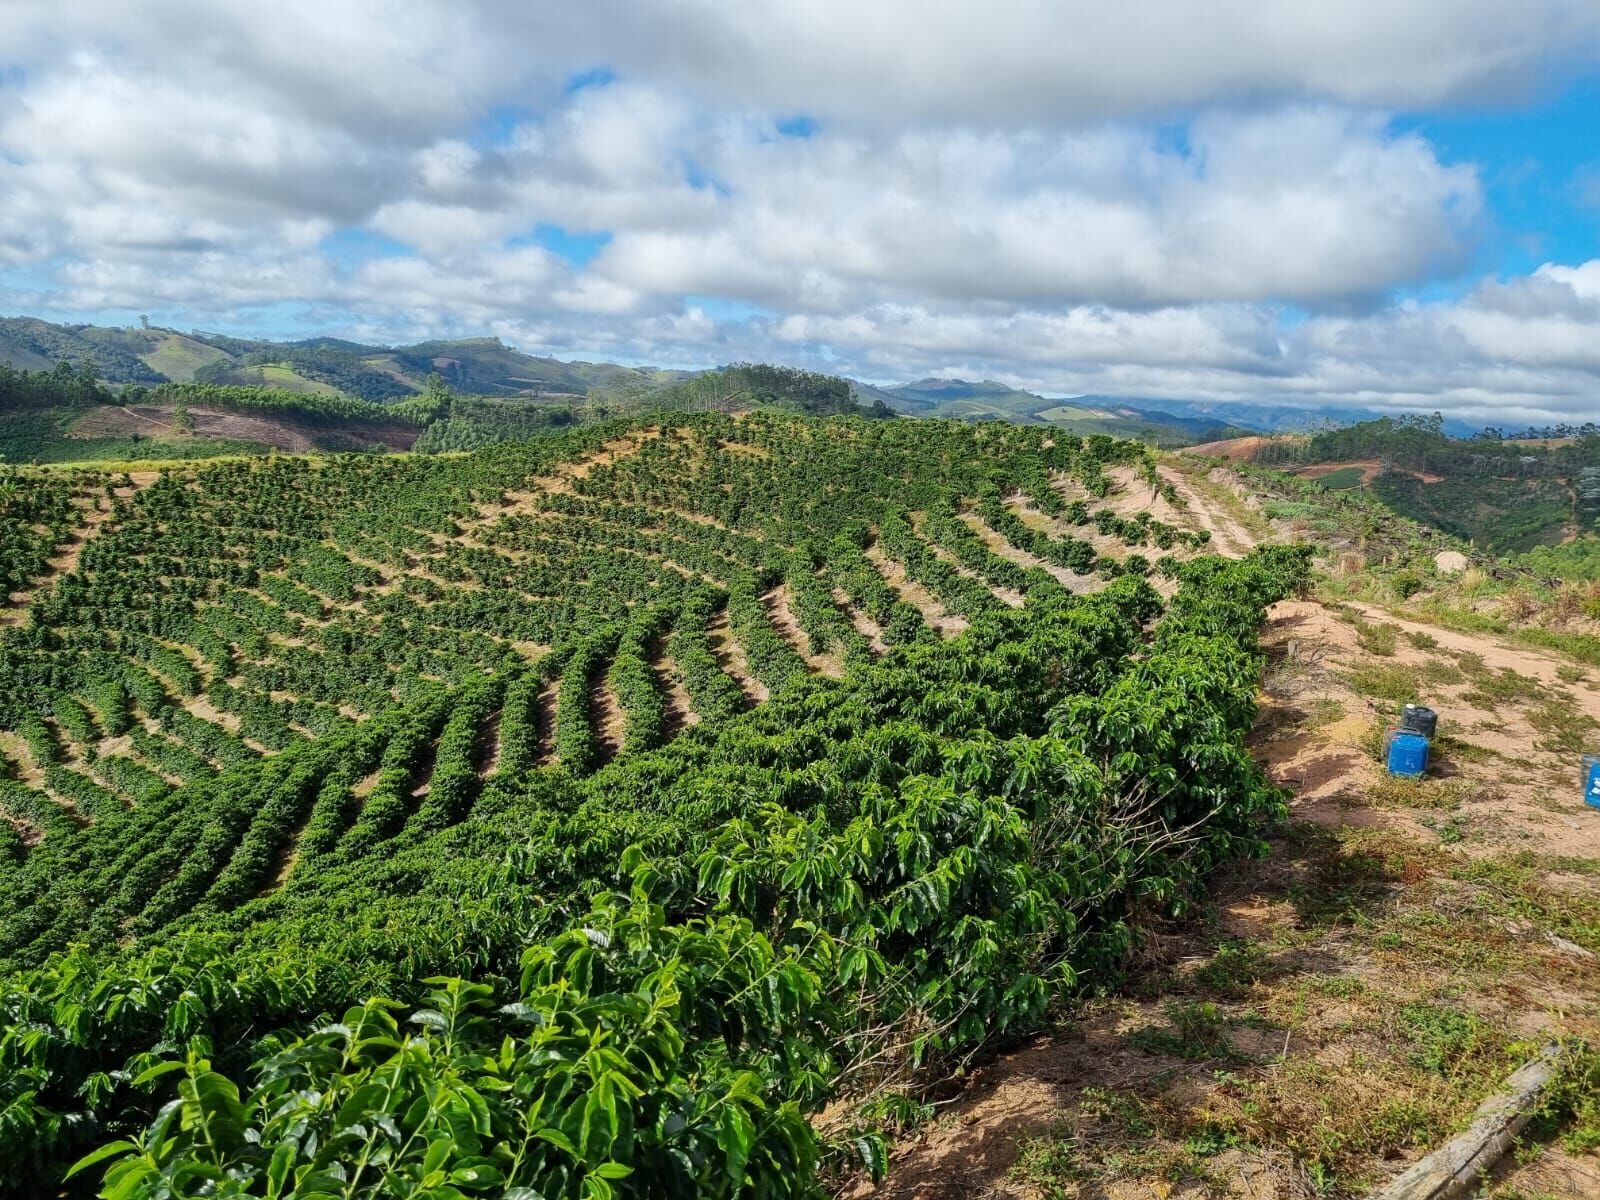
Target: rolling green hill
<point>178,357</point>
<point>1537,496</point>
<point>30,344</point>
<point>584,815</point>
<point>1084,415</point>
<point>482,366</point>
<point>750,385</point>
<point>67,415</point>
<point>988,398</point>
<point>487,367</point>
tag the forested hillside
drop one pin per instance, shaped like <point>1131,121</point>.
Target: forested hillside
<point>68,415</point>
<point>1081,415</point>
<point>152,355</point>
<point>1533,495</point>
<point>749,385</point>
<point>495,378</point>
<point>28,343</point>
<point>584,816</point>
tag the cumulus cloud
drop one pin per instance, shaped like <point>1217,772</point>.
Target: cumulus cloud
<point>1518,350</point>
<point>377,70</point>
<point>1035,61</point>
<point>1142,199</point>
<point>370,65</point>
<point>1303,205</point>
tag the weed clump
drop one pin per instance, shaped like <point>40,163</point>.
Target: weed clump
<point>1197,1031</point>
<point>1381,638</point>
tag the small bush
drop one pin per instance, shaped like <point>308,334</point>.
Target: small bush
<point>1382,638</point>
<point>1574,1101</point>
<point>1441,1037</point>
<point>1407,584</point>
<point>1233,968</point>
<point>1197,1030</point>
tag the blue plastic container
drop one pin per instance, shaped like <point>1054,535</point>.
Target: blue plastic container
<point>1408,753</point>
<point>1591,782</point>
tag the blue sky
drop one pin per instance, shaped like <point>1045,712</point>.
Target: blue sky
<point>1540,165</point>
<point>1376,203</point>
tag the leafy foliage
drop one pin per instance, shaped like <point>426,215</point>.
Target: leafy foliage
<point>111,354</point>
<point>742,385</point>
<point>334,887</point>
<point>1508,494</point>
<point>302,406</point>
<point>322,360</point>
<point>65,387</point>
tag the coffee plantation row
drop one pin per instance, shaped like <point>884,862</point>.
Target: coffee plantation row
<point>581,816</point>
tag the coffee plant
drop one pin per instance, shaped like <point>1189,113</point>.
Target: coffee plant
<point>582,816</point>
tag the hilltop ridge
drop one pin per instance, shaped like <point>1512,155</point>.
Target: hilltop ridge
<point>153,355</point>
<point>140,410</point>
<point>1532,497</point>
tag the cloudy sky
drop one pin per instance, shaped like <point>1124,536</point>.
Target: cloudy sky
<point>1385,203</point>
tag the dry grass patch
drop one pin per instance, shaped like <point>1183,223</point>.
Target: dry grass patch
<point>1318,1059</point>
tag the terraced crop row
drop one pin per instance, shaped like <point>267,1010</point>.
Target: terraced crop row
<point>292,702</point>
<point>230,614</point>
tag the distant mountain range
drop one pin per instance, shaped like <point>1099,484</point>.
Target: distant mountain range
<point>1275,418</point>
<point>480,366</point>
<point>1203,420</point>
<point>1082,414</point>
<point>488,367</point>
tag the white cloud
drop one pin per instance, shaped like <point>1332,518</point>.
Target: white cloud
<point>375,69</point>
<point>1476,358</point>
<point>211,282</point>
<point>1073,196</point>
<point>417,67</point>
<point>436,229</point>
<point>1520,350</point>
<point>1584,280</point>
<point>1302,205</point>
<point>1045,61</point>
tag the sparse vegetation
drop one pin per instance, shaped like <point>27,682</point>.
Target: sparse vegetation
<point>1195,1030</point>
<point>1378,638</point>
